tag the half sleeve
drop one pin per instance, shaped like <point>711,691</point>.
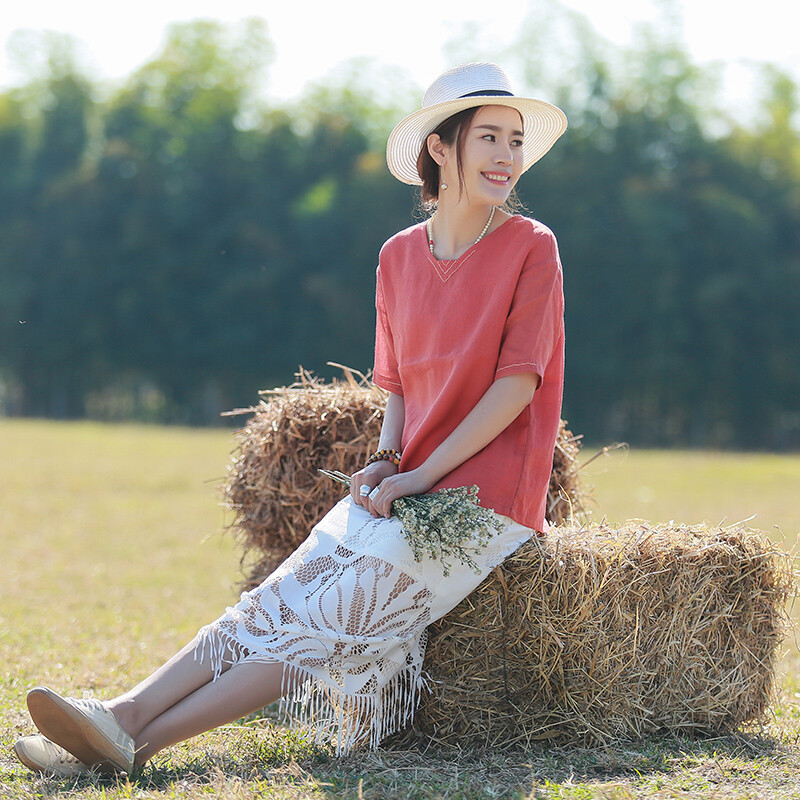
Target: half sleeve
<point>385,373</point>
<point>535,323</point>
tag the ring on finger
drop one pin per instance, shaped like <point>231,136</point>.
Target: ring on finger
<point>364,490</point>
<point>374,493</point>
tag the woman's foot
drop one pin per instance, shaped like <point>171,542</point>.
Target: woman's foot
<point>85,728</point>
<point>41,755</point>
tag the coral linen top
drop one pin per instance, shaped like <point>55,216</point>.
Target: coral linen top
<point>446,330</point>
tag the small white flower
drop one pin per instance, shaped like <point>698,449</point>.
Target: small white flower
<point>442,524</point>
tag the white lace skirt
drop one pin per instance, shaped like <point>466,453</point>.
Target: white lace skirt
<point>346,613</point>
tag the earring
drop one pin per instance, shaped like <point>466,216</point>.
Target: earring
<point>443,186</point>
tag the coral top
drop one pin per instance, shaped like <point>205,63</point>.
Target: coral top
<point>446,330</point>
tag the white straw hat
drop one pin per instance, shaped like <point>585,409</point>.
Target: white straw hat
<point>465,87</point>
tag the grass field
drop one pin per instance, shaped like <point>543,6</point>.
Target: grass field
<point>115,552</point>
<point>719,488</point>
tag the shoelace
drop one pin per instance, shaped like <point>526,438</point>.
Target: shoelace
<point>89,705</point>
<point>121,738</point>
<point>67,759</point>
<point>60,755</point>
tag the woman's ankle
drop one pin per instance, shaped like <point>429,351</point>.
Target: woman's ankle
<point>127,715</point>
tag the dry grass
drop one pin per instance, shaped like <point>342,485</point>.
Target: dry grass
<point>595,634</point>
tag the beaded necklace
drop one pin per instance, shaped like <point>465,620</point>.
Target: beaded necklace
<point>429,227</point>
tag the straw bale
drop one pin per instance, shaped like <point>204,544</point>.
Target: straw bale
<point>595,633</point>
<point>273,485</point>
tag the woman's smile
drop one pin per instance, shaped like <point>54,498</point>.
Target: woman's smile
<point>497,178</point>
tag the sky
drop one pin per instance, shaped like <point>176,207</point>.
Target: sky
<point>311,37</point>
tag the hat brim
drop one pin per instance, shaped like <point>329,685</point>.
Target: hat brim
<point>542,124</point>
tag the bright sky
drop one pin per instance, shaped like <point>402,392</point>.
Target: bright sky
<point>311,36</point>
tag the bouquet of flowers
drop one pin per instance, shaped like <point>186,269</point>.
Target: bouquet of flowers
<point>443,525</point>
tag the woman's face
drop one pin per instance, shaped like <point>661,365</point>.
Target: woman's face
<point>491,158</point>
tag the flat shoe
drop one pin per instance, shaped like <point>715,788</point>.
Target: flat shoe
<point>85,728</point>
<point>41,755</point>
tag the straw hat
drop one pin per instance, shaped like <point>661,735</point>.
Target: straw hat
<point>464,87</point>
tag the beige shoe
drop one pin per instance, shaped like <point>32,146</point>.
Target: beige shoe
<point>86,728</point>
<point>41,755</point>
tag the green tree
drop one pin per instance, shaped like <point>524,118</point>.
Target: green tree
<point>170,250</point>
<point>44,265</point>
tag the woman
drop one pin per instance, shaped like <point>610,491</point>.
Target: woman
<point>469,345</point>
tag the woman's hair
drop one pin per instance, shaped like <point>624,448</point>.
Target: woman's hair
<point>452,131</point>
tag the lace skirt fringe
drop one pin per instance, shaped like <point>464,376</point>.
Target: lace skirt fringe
<point>347,721</point>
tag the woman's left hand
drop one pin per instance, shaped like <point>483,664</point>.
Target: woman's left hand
<point>396,486</point>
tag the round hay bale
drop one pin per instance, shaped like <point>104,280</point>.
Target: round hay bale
<point>595,633</point>
<point>273,485</point>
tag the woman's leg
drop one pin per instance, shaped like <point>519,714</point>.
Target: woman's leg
<point>168,685</point>
<point>181,699</point>
<point>241,690</point>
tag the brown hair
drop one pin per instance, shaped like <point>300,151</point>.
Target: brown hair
<point>452,130</point>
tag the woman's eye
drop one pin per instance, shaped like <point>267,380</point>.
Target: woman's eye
<point>516,143</point>
<point>489,137</point>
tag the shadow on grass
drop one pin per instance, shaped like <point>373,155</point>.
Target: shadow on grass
<point>255,760</point>
<point>633,762</point>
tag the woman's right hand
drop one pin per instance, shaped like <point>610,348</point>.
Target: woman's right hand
<point>370,477</point>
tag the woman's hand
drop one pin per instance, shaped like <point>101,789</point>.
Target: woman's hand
<point>391,438</point>
<point>370,477</point>
<point>395,486</point>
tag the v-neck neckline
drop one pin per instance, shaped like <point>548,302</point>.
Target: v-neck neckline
<point>446,268</point>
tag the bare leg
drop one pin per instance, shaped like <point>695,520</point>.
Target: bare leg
<point>168,685</point>
<point>241,690</point>
<point>181,699</point>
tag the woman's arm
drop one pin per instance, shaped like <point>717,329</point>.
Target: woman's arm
<point>501,404</point>
<point>394,418</point>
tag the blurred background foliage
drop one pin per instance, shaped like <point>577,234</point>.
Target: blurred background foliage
<point>171,245</point>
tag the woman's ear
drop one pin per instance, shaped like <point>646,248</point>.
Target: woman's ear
<point>437,149</point>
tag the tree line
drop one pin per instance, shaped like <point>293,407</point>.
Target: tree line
<point>173,246</point>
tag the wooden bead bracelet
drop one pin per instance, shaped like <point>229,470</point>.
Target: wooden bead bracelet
<point>388,454</point>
